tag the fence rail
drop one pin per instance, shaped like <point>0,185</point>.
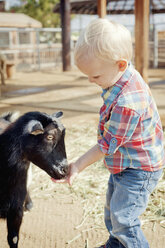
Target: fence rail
<point>31,49</point>
<point>34,49</point>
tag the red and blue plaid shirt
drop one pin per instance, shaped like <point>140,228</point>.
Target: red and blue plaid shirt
<point>130,131</point>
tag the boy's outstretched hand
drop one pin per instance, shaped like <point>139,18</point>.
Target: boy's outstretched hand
<point>91,156</point>
<point>73,172</point>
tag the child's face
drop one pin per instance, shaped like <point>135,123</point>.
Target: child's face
<point>99,71</point>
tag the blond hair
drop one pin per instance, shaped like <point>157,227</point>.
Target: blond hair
<point>105,40</point>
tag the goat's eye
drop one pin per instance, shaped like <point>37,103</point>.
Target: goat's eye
<point>50,137</point>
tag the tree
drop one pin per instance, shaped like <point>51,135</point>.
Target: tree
<point>41,10</point>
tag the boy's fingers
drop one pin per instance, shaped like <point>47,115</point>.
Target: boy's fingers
<point>71,179</point>
<point>60,180</point>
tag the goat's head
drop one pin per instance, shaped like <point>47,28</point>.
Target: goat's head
<point>43,144</point>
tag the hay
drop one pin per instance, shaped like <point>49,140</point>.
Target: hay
<point>90,185</point>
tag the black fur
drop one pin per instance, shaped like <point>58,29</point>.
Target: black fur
<point>35,137</point>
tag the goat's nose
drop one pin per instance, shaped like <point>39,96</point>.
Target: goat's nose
<point>64,166</point>
<point>64,170</point>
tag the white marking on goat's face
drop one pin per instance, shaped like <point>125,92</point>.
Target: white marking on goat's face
<point>62,166</point>
<point>15,240</point>
<point>62,162</point>
<point>56,168</point>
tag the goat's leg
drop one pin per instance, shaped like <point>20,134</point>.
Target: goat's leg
<point>14,220</point>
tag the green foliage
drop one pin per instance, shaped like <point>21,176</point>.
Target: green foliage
<point>41,10</point>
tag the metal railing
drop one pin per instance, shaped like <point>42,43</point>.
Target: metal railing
<point>34,49</point>
<point>37,49</point>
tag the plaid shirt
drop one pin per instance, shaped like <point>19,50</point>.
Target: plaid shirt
<point>130,131</point>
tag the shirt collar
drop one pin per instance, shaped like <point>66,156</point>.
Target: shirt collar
<point>116,88</point>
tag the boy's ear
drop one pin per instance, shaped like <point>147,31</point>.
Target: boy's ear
<point>122,64</point>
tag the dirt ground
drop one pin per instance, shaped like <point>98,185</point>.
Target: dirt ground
<point>57,218</point>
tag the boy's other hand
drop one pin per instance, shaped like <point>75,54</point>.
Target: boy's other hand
<point>73,172</point>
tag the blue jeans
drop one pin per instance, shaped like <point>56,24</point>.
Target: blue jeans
<point>127,198</point>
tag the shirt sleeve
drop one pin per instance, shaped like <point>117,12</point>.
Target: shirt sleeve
<point>118,129</point>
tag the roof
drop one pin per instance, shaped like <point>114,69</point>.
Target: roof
<point>18,20</point>
<point>113,7</point>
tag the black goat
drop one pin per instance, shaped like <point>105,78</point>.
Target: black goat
<point>5,120</point>
<point>35,137</point>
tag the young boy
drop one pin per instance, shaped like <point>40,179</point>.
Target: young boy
<point>130,136</point>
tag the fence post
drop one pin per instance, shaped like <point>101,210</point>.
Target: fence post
<point>38,49</point>
<point>155,64</point>
<point>142,37</point>
<point>65,23</point>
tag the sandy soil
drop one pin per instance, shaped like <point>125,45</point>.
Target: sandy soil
<point>56,222</point>
<point>52,224</point>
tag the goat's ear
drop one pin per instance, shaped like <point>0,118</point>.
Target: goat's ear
<point>37,130</point>
<point>57,115</point>
<point>34,127</point>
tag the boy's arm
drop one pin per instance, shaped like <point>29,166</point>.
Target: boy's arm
<point>90,157</point>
